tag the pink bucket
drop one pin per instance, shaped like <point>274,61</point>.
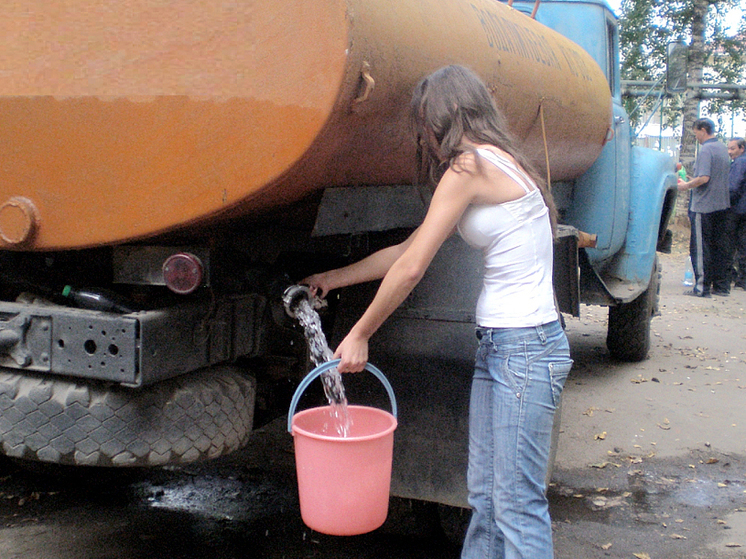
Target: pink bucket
<point>343,482</point>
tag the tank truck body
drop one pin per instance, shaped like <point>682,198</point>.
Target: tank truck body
<point>163,182</point>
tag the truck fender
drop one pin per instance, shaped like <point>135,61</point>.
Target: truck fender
<point>653,196</point>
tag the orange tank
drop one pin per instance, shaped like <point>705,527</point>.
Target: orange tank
<point>124,119</point>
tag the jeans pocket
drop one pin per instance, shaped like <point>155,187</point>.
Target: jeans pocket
<point>558,372</point>
<point>516,371</point>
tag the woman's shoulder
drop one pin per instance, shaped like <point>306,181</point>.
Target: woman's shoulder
<point>473,157</point>
<point>489,151</point>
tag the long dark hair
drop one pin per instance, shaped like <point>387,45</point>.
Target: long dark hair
<point>453,103</point>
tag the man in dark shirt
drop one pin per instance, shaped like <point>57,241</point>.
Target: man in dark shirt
<point>737,187</point>
<point>710,244</point>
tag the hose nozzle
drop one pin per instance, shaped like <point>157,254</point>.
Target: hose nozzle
<point>293,296</point>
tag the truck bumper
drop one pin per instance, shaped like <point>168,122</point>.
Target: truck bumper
<point>132,349</point>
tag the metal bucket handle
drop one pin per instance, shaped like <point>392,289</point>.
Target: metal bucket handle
<point>323,368</point>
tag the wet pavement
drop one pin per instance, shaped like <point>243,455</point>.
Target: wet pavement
<point>222,510</point>
<point>691,507</point>
<point>227,509</point>
<point>651,464</point>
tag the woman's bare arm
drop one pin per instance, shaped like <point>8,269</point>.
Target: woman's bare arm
<point>372,267</point>
<point>449,202</point>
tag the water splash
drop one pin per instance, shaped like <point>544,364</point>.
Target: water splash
<point>320,353</point>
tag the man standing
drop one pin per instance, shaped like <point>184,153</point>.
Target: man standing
<point>737,186</point>
<point>710,244</point>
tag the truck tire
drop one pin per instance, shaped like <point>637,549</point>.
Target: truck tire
<point>181,420</point>
<point>628,334</point>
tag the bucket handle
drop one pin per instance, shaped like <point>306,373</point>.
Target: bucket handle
<point>323,368</point>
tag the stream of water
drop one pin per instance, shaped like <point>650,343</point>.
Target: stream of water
<point>320,353</point>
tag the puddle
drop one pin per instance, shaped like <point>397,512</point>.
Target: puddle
<point>220,498</point>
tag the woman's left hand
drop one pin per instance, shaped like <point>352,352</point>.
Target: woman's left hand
<point>353,352</point>
<point>319,284</point>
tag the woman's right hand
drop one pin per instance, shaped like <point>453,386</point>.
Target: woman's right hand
<point>352,353</point>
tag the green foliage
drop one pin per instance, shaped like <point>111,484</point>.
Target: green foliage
<point>646,28</point>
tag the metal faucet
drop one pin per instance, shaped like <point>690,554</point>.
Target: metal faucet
<point>293,296</point>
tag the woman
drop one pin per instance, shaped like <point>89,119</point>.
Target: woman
<point>487,190</point>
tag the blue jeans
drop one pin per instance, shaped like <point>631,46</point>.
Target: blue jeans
<point>518,380</point>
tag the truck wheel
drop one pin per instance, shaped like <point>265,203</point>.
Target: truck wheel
<point>181,420</point>
<point>628,336</point>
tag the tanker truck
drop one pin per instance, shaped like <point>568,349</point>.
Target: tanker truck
<point>164,180</point>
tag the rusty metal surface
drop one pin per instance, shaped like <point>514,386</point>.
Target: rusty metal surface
<point>120,121</point>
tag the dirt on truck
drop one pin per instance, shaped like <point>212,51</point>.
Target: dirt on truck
<point>163,179</point>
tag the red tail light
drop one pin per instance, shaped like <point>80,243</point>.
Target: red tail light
<point>183,273</point>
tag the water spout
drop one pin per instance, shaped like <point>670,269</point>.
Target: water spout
<point>300,304</point>
<point>293,296</point>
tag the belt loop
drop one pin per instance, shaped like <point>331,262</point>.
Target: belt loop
<point>542,335</point>
<point>483,332</point>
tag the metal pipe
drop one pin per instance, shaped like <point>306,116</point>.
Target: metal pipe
<point>8,339</point>
<point>734,96</point>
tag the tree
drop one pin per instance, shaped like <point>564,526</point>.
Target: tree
<point>695,73</point>
<point>646,28</point>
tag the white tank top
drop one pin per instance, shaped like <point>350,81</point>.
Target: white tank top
<point>516,240</point>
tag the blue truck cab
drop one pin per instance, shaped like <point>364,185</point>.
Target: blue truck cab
<point>625,199</point>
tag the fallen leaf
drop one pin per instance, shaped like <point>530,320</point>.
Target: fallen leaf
<point>600,436</point>
<point>712,461</point>
<point>641,555</point>
<point>606,546</point>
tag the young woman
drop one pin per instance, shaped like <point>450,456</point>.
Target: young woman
<point>488,192</point>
